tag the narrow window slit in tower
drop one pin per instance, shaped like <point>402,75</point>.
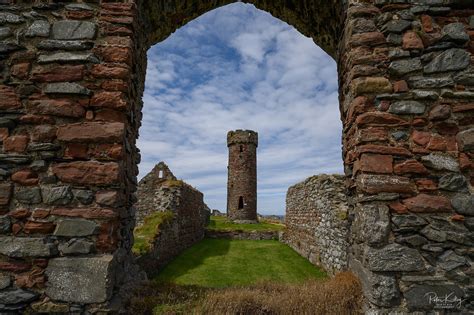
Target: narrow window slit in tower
<point>241,202</point>
<point>241,149</point>
<point>160,174</point>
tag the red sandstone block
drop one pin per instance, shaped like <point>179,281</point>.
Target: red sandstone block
<point>367,39</point>
<point>20,213</point>
<point>410,167</point>
<point>398,208</point>
<point>4,133</point>
<point>115,54</point>
<point>8,98</point>
<point>115,19</point>
<point>108,237</point>
<point>34,278</point>
<point>110,29</point>
<point>421,137</point>
<point>107,152</point>
<point>58,73</point>
<point>5,193</point>
<point>15,144</point>
<point>20,70</point>
<point>114,100</point>
<point>457,218</point>
<point>465,162</point>
<point>86,213</point>
<point>440,112</point>
<point>88,173</point>
<point>437,143</point>
<point>380,119</point>
<point>381,149</point>
<point>25,177</point>
<point>14,266</point>
<point>107,198</point>
<point>114,85</point>
<point>16,228</point>
<point>372,134</point>
<point>40,214</point>
<point>446,128</point>
<point>427,23</point>
<point>92,132</point>
<point>426,184</point>
<point>110,71</point>
<point>412,41</point>
<point>428,203</point>
<point>76,151</point>
<point>36,119</point>
<point>33,227</point>
<point>419,122</point>
<point>44,133</point>
<point>119,7</point>
<point>57,107</point>
<point>110,115</point>
<point>124,41</point>
<point>374,163</point>
<point>400,86</point>
<point>463,107</point>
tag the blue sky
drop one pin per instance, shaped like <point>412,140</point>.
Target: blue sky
<point>240,68</point>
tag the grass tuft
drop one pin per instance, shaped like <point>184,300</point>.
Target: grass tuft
<point>220,223</point>
<point>145,234</point>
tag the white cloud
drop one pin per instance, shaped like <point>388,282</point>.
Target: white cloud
<point>239,68</point>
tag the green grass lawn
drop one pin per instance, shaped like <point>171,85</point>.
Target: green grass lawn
<point>222,224</point>
<point>218,263</point>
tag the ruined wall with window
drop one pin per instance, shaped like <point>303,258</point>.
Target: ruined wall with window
<point>317,221</point>
<point>160,191</point>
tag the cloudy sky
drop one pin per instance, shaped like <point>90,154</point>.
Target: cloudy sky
<point>239,68</point>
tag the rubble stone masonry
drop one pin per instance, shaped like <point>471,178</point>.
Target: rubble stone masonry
<point>71,81</point>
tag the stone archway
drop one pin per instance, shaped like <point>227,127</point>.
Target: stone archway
<point>72,76</point>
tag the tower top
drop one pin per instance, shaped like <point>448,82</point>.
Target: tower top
<point>242,136</point>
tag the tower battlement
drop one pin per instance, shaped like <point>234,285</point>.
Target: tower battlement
<point>242,136</point>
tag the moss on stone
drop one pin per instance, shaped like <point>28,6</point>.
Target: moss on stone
<point>146,234</point>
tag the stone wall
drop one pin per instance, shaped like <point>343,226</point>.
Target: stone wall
<point>317,221</point>
<point>191,216</point>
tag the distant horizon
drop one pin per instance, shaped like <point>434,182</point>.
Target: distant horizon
<point>238,67</point>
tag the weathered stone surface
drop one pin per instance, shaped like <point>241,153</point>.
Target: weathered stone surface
<point>76,228</point>
<point>428,203</point>
<point>93,173</point>
<point>5,32</point>
<point>397,26</point>
<point>394,257</point>
<point>463,204</point>
<point>427,83</point>
<point>84,196</point>
<point>405,66</point>
<point>410,167</point>
<point>79,7</point>
<point>7,17</point>
<point>69,30</point>
<point>412,240</point>
<point>441,161</point>
<point>9,47</point>
<point>427,297</point>
<point>19,247</point>
<point>57,107</point>
<point>455,32</point>
<point>66,88</point>
<point>5,281</point>
<point>80,280</point>
<point>466,140</point>
<point>92,132</point>
<point>5,225</point>
<point>28,195</point>
<point>380,289</point>
<point>60,195</point>
<point>407,108</point>
<point>372,224</point>
<point>51,44</point>
<point>374,163</point>
<point>16,297</point>
<point>58,73</point>
<point>107,198</point>
<point>373,184</point>
<point>450,260</point>
<point>76,246</point>
<point>408,220</point>
<point>25,177</point>
<point>453,182</point>
<point>449,60</point>
<point>48,307</point>
<point>371,85</point>
<point>67,57</point>
<point>38,28</point>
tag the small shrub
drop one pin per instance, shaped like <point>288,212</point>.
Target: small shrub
<point>145,234</point>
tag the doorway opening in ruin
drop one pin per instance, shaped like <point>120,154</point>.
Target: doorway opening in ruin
<point>241,202</point>
<point>238,67</point>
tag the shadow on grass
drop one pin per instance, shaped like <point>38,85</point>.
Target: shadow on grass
<point>193,258</point>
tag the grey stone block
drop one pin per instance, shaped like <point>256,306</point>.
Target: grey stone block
<point>70,29</point>
<point>76,227</point>
<point>19,247</point>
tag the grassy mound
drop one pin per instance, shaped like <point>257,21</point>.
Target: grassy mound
<point>145,234</point>
<point>219,223</point>
<point>221,263</point>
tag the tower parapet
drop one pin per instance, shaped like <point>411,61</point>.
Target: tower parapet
<point>242,136</point>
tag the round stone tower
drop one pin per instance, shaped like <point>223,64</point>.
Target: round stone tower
<point>242,176</point>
